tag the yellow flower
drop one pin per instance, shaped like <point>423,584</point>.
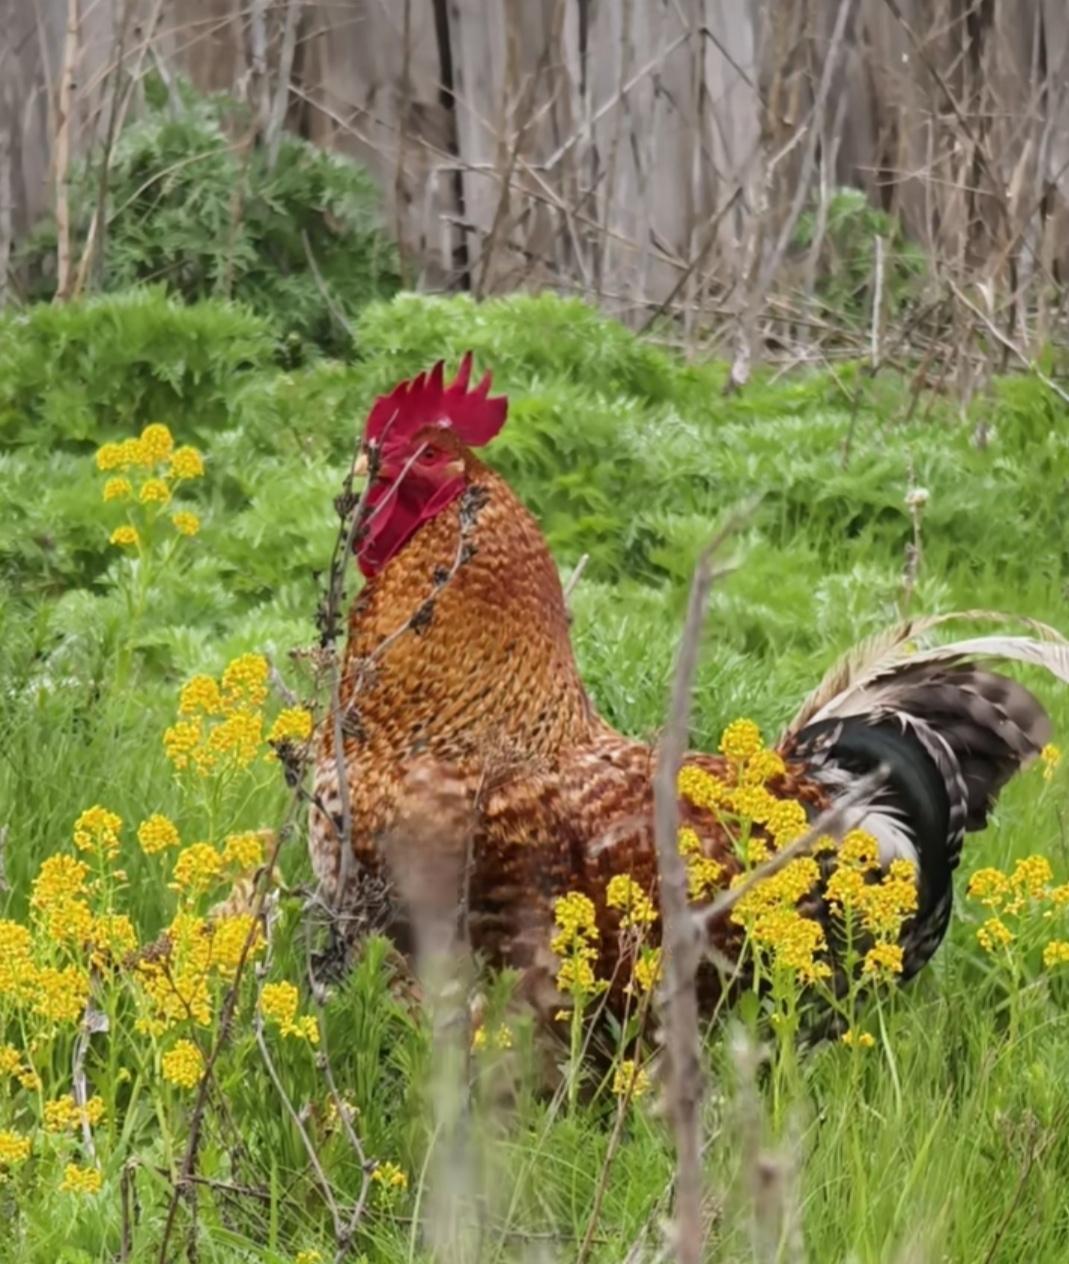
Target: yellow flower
<point>109,457</point>
<point>180,741</point>
<point>245,681</point>
<point>740,740</point>
<point>183,1065</point>
<point>200,693</point>
<point>228,942</point>
<point>60,879</point>
<point>185,522</point>
<point>238,736</point>
<point>64,1115</point>
<point>243,851</point>
<point>113,937</point>
<point>795,946</point>
<point>989,886</point>
<point>187,462</point>
<point>310,1256</point>
<point>635,906</point>
<point>198,868</point>
<point>647,971</point>
<point>883,960</point>
<point>630,1079</point>
<point>1031,875</point>
<point>157,442</point>
<point>121,456</point>
<point>574,916</point>
<point>18,975</point>
<point>157,834</point>
<point>860,849</point>
<point>118,489</point>
<point>81,1180</point>
<point>278,1003</point>
<point>125,536</point>
<point>786,821</point>
<point>154,491</point>
<point>1050,757</point>
<point>497,1038</point>
<point>294,724</point>
<point>862,1039</point>
<point>10,1061</point>
<point>1056,953</point>
<point>762,767</point>
<point>14,1148</point>
<point>700,787</point>
<point>390,1176</point>
<point>62,995</point>
<point>753,802</point>
<point>97,830</point>
<point>703,874</point>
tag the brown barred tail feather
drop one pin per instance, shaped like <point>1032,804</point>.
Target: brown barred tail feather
<point>951,733</point>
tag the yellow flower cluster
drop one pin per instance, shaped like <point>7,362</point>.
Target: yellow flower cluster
<point>221,725</point>
<point>14,1148</point>
<point>700,787</point>
<point>390,1176</point>
<point>185,522</point>
<point>65,1115</point>
<point>97,830</point>
<point>183,1064</point>
<point>499,1037</point>
<point>1056,953</point>
<point>278,1004</point>
<point>859,1039</point>
<point>703,873</point>
<point>630,1079</point>
<point>157,833</point>
<point>1050,757</point>
<point>243,852</point>
<point>81,1180</point>
<point>164,466</point>
<point>18,973</point>
<point>646,973</point>
<point>1020,898</point>
<point>573,943</point>
<point>740,740</point>
<point>633,904</point>
<point>763,766</point>
<point>294,724</point>
<point>62,995</point>
<point>198,868</point>
<point>202,956</point>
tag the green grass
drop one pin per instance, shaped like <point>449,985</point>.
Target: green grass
<point>948,1141</point>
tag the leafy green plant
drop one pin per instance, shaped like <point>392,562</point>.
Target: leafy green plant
<point>193,207</point>
<point>848,258</point>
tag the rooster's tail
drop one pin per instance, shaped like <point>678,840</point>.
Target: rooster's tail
<point>949,735</point>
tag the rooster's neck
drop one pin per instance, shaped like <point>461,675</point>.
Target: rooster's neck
<point>460,648</point>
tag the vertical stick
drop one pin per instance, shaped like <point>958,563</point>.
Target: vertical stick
<point>681,942</point>
<point>63,155</point>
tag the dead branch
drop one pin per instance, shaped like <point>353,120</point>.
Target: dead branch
<point>682,945</point>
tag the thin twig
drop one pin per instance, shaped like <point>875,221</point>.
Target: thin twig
<point>682,948</point>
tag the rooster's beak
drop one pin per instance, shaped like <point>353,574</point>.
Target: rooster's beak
<point>360,466</point>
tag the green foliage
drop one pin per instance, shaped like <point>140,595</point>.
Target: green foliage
<point>847,262</point>
<point>948,1137</point>
<point>192,207</point>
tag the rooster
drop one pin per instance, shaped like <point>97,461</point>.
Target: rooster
<point>461,713</point>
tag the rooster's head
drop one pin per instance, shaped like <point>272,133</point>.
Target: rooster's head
<point>414,448</point>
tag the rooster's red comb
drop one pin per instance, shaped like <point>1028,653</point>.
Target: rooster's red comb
<point>472,415</point>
